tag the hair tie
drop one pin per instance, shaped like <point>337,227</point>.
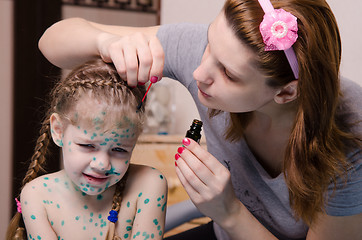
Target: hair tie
<point>279,30</point>
<point>113,216</point>
<point>18,204</point>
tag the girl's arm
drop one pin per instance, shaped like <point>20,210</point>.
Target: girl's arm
<point>136,52</point>
<point>34,214</point>
<point>149,222</point>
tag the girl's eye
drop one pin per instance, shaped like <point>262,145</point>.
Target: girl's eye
<point>90,146</point>
<point>120,150</point>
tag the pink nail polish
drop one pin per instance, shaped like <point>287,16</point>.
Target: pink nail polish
<point>176,164</point>
<point>186,141</point>
<point>141,83</point>
<point>154,79</point>
<point>180,150</point>
<point>177,156</point>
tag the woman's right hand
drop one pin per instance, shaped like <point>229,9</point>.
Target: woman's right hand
<point>137,57</point>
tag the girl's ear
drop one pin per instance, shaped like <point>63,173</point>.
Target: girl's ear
<point>56,128</point>
<point>287,93</point>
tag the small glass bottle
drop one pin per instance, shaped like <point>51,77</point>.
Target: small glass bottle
<point>195,131</point>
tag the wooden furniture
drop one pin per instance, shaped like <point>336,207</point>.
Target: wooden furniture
<point>159,151</point>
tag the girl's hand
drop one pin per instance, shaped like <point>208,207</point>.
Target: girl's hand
<point>207,182</point>
<point>137,57</point>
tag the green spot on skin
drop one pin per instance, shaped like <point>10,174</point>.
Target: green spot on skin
<point>91,214</point>
<point>69,143</point>
<point>161,176</point>
<point>60,142</point>
<point>99,197</point>
<point>152,235</point>
<point>38,237</point>
<point>85,207</point>
<point>147,201</point>
<point>77,218</point>
<point>128,204</point>
<point>139,210</point>
<point>129,221</point>
<point>46,178</point>
<point>51,222</point>
<point>160,233</point>
<point>85,132</point>
<point>126,235</point>
<point>84,228</point>
<point>58,206</point>
<point>155,221</point>
<point>45,185</point>
<point>140,194</point>
<point>103,144</point>
<point>100,216</point>
<point>128,228</point>
<point>56,180</point>
<point>62,223</point>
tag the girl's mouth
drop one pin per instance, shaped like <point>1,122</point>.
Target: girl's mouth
<point>94,180</point>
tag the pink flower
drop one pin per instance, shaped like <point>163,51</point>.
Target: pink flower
<point>279,30</point>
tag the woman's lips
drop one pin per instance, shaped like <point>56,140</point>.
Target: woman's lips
<point>94,180</point>
<point>204,94</point>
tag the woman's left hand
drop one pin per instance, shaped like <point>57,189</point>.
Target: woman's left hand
<point>207,182</point>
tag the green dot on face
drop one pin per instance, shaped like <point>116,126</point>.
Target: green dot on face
<point>140,194</point>
<point>161,176</point>
<point>147,201</point>
<point>126,235</point>
<point>33,217</point>
<point>128,204</point>
<point>45,185</point>
<point>99,197</point>
<point>46,178</point>
<point>62,223</point>
<point>139,210</point>
<point>85,207</point>
<point>77,218</point>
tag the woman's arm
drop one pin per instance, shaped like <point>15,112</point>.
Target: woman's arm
<point>208,184</point>
<point>330,227</point>
<point>136,52</point>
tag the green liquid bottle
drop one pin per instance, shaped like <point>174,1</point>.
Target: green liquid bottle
<point>195,131</point>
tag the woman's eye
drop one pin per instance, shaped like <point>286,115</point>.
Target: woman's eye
<point>121,150</point>
<point>228,75</point>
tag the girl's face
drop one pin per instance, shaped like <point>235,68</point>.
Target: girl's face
<point>95,160</point>
<point>227,77</point>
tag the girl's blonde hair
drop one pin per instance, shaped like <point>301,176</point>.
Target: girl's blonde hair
<point>98,81</point>
<point>317,146</point>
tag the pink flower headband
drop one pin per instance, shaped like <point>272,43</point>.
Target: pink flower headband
<point>279,30</point>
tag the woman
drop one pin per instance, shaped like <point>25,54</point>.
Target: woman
<point>292,153</point>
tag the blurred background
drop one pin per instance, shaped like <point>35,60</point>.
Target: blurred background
<point>26,76</point>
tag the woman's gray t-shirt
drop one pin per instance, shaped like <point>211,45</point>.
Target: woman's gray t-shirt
<point>265,197</point>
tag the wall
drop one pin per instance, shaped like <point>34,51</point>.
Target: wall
<point>6,76</point>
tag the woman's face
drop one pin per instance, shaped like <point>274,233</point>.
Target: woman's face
<point>227,77</point>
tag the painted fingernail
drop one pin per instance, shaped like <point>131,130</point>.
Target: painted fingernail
<point>186,141</point>
<point>180,150</point>
<point>176,164</point>
<point>154,79</point>
<point>141,83</point>
<point>177,156</point>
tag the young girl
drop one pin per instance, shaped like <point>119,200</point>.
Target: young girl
<point>292,152</point>
<point>94,119</point>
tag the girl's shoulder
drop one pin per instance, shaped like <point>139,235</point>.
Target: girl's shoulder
<point>145,178</point>
<point>44,184</point>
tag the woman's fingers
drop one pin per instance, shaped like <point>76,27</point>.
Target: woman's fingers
<point>136,57</point>
<point>158,58</point>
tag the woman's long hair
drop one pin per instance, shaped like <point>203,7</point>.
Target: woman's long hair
<point>102,82</point>
<point>315,154</point>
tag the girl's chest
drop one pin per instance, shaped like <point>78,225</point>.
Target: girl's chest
<point>82,221</point>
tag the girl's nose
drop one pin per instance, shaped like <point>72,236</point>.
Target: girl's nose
<point>101,163</point>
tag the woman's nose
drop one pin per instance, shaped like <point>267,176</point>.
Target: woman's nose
<point>205,72</point>
<point>101,162</point>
